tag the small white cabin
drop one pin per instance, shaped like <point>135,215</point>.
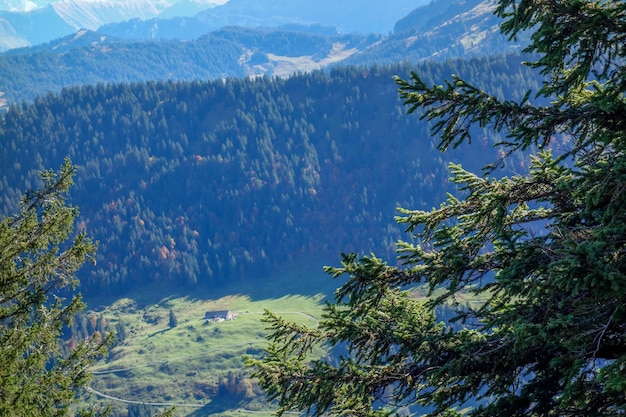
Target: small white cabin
<point>219,315</point>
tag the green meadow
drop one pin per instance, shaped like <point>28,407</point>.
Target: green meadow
<point>198,366</point>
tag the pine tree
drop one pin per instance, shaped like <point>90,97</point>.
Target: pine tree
<point>173,320</point>
<point>39,256</point>
<point>544,253</point>
<point>120,332</point>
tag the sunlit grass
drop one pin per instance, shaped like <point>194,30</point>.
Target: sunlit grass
<point>185,364</point>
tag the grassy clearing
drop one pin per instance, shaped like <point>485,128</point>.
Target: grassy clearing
<point>186,364</point>
<point>284,66</point>
<point>198,365</point>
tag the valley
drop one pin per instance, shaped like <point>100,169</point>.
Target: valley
<point>223,152</point>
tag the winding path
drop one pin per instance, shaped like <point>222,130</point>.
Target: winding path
<point>122,400</point>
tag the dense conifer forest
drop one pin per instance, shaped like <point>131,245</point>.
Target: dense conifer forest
<point>199,183</point>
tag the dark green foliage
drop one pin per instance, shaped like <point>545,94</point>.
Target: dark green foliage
<point>172,321</point>
<point>143,410</point>
<point>205,183</point>
<point>542,253</point>
<point>120,332</point>
<point>235,386</point>
<point>39,256</point>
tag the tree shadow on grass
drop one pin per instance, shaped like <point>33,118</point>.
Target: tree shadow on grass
<point>219,406</point>
<point>304,276</point>
<point>158,332</point>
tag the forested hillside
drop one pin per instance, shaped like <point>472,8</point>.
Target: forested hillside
<point>90,58</point>
<point>197,183</point>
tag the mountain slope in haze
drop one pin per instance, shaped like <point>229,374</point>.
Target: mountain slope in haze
<point>89,58</point>
<point>34,23</point>
<point>9,37</point>
<point>440,30</point>
<point>92,15</point>
<point>373,16</point>
<point>30,28</point>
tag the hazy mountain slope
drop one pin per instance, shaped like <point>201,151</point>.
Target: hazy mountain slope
<point>377,16</point>
<point>441,30</point>
<point>66,45</point>
<point>433,14</point>
<point>181,28</point>
<point>34,23</point>
<point>184,8</point>
<point>89,57</point>
<point>9,37</point>
<point>37,26</point>
<point>93,14</point>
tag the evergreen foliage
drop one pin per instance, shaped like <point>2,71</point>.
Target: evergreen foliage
<point>172,320</point>
<point>544,252</point>
<point>39,256</point>
<point>120,332</point>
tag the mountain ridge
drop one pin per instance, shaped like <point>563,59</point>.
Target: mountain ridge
<point>346,15</point>
<point>35,23</point>
<point>441,30</point>
<point>91,57</point>
<point>187,19</point>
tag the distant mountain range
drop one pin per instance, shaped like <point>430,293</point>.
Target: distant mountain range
<point>440,30</point>
<point>372,16</point>
<point>24,23</point>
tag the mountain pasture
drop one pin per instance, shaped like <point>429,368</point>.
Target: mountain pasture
<point>196,366</point>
